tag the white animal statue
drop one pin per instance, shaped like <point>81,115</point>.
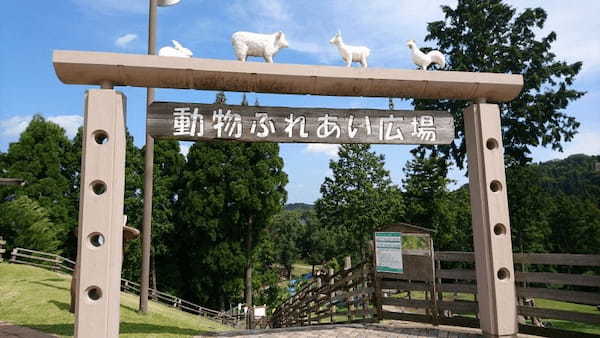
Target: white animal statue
<point>350,53</point>
<point>261,45</point>
<point>178,51</point>
<point>424,60</point>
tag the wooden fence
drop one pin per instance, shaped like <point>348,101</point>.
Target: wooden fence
<point>443,290</point>
<point>65,265</point>
<point>343,297</point>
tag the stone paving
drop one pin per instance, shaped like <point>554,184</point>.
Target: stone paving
<point>389,329</point>
<point>8,330</point>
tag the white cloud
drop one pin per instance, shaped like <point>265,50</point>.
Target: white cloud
<point>330,150</point>
<point>14,126</point>
<point>70,123</point>
<point>124,40</point>
<point>11,128</point>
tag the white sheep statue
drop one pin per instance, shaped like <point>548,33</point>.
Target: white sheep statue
<point>261,45</point>
<point>350,53</point>
<point>424,60</point>
<point>178,51</point>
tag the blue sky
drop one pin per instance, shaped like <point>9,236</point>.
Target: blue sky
<point>31,29</point>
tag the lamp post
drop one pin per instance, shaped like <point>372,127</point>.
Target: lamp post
<point>149,164</point>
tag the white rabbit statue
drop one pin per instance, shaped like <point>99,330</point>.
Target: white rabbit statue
<point>177,51</point>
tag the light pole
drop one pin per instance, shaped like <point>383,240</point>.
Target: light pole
<point>149,164</point>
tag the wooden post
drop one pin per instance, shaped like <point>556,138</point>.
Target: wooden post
<point>377,293</point>
<point>2,249</point>
<point>100,235</point>
<point>348,266</point>
<point>332,307</point>
<point>434,310</point>
<point>318,298</point>
<point>491,228</point>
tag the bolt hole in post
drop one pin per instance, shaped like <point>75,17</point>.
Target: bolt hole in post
<point>94,293</point>
<point>100,136</point>
<point>96,239</point>
<point>499,229</point>
<point>99,187</point>
<point>503,274</point>
<point>496,186</point>
<point>491,144</point>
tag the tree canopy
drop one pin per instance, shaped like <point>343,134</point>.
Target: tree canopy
<point>490,36</point>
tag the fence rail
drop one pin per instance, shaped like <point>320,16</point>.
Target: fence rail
<point>343,297</point>
<point>443,290</point>
<point>65,265</point>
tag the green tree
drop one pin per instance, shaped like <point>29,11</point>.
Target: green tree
<point>221,98</point>
<point>230,192</point>
<point>41,158</point>
<point>168,168</point>
<point>358,198</point>
<point>490,36</point>
<point>26,224</point>
<point>530,209</point>
<point>430,204</point>
<point>285,232</point>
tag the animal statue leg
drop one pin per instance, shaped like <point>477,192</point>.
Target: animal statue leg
<point>348,63</point>
<point>241,52</point>
<point>363,62</point>
<point>269,59</point>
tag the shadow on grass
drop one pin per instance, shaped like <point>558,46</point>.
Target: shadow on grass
<point>49,285</point>
<point>60,305</point>
<point>126,328</point>
<point>137,328</point>
<point>60,329</point>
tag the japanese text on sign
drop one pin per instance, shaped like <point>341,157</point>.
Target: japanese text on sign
<point>277,124</point>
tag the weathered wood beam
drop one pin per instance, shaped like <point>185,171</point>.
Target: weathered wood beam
<point>94,68</point>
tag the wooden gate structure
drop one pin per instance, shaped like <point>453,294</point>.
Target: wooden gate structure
<point>103,162</point>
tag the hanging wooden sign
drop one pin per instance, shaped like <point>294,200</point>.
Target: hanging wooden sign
<point>196,122</point>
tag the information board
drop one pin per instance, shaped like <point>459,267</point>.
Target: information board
<point>388,252</point>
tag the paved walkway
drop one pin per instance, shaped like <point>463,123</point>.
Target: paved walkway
<point>389,329</point>
<point>8,330</point>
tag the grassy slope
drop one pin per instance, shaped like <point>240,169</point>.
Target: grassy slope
<point>39,299</point>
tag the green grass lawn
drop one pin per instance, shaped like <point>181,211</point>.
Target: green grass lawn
<point>39,299</point>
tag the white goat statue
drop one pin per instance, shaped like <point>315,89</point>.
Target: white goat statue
<point>261,45</point>
<point>424,60</point>
<point>178,51</point>
<point>350,53</point>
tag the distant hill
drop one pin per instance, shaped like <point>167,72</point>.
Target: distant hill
<point>298,206</point>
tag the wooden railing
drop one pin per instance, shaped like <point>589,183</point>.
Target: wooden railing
<point>61,264</point>
<point>343,297</point>
<point>531,286</point>
<point>443,290</point>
